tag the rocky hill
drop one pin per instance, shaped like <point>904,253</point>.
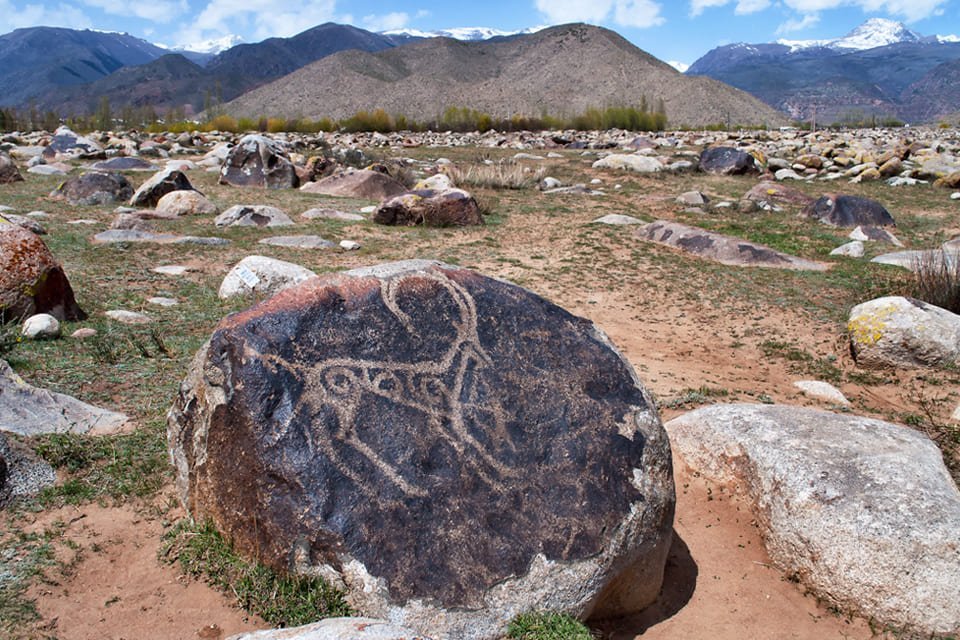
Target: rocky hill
<point>873,71</point>
<point>37,60</point>
<point>561,71</point>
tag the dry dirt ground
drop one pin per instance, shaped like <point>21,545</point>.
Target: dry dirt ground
<point>695,332</point>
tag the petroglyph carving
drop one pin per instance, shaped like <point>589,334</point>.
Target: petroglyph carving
<point>448,392</point>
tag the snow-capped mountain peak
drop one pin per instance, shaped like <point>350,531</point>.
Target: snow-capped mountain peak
<point>461,33</point>
<point>212,46</point>
<point>875,32</point>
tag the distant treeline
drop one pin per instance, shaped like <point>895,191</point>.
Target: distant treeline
<point>459,119</point>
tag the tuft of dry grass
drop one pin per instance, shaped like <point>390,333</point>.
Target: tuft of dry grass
<point>500,175</point>
<point>937,279</point>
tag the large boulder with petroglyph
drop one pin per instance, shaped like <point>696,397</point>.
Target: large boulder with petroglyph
<point>863,513</point>
<point>849,211</point>
<point>31,279</point>
<point>451,449</point>
<point>903,332</point>
<point>727,161</point>
<point>720,248</point>
<point>258,161</point>
<point>93,188</point>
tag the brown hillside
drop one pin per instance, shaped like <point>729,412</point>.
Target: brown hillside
<point>561,71</point>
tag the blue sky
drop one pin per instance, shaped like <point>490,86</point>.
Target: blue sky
<point>681,31</point>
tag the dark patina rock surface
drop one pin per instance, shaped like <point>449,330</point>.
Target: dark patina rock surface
<point>357,183</point>
<point>727,161</point>
<point>452,449</point>
<point>432,208</point>
<point>8,170</point>
<point>849,211</point>
<point>158,185</point>
<point>258,161</point>
<point>93,188</point>
<point>31,280</point>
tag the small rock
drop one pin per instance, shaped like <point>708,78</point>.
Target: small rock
<point>183,203</point>
<point>631,162</point>
<point>41,326</point>
<point>171,270</point>
<point>83,333</point>
<point>822,391</point>
<point>853,249</point>
<point>128,317</point>
<point>336,629</point>
<point>349,245</point>
<point>331,214</point>
<point>617,219</point>
<point>257,215</point>
<point>298,242</point>
<point>693,198</point>
<point>160,184</point>
<point>549,183</point>
<point>902,332</point>
<point>161,301</point>
<point>262,275</point>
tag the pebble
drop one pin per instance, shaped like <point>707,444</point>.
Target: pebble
<point>349,245</point>
<point>41,326</point>
<point>160,301</point>
<point>171,270</point>
<point>83,221</point>
<point>298,242</point>
<point>83,332</point>
<point>822,391</point>
<point>369,209</point>
<point>617,219</point>
<point>128,317</point>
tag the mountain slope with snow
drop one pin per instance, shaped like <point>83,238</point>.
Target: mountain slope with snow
<point>468,34</point>
<point>876,32</point>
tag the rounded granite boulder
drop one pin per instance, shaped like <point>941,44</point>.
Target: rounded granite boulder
<point>451,449</point>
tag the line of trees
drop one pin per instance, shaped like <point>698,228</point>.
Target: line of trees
<point>461,119</point>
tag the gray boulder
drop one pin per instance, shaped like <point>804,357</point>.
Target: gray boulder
<point>903,332</point>
<point>727,161</point>
<point>185,203</point>
<point>253,215</point>
<point>451,449</point>
<point>159,185</point>
<point>8,170</point>
<point>263,276</point>
<point>862,512</point>
<point>446,208</point>
<point>849,211</point>
<point>94,188</point>
<point>720,248</point>
<point>357,183</point>
<point>28,411</point>
<point>337,629</point>
<point>22,474</point>
<point>631,162</point>
<point>258,161</point>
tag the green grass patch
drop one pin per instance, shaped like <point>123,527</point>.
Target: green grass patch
<point>547,626</point>
<point>280,599</point>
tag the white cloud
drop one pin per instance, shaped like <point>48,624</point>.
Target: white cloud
<point>153,10</point>
<point>909,10</point>
<point>230,16</point>
<point>796,24</point>
<point>637,13</point>
<point>386,22</point>
<point>32,15</point>
<point>625,13</point>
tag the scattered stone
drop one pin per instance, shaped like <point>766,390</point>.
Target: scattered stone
<point>436,182</point>
<point>159,185</point>
<point>27,223</point>
<point>263,276</point>
<point>914,260</point>
<point>549,183</point>
<point>8,170</point>
<point>299,242</point>
<point>450,208</point>
<point>369,209</point>
<point>720,248</point>
<point>349,245</point>
<point>171,270</point>
<point>56,169</point>
<point>365,403</point>
<point>331,214</point>
<point>849,211</point>
<point>29,411</point>
<point>822,391</point>
<point>862,512</point>
<point>852,249</point>
<point>903,332</point>
<point>787,174</point>
<point>185,203</point>
<point>337,629</point>
<point>693,199</point>
<point>727,161</point>
<point>94,188</point>
<point>254,215</point>
<point>41,326</point>
<point>874,234</point>
<point>955,195</point>
<point>116,236</point>
<point>631,162</point>
<point>357,183</point>
<point>22,473</point>
<point>161,301</point>
<point>128,317</point>
<point>67,145</point>
<point>31,280</point>
<point>124,163</point>
<point>577,189</point>
<point>258,161</point>
<point>617,219</point>
<point>83,333</point>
